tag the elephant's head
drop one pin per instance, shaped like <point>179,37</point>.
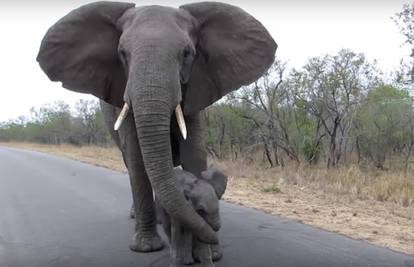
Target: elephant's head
<point>204,193</point>
<point>154,58</point>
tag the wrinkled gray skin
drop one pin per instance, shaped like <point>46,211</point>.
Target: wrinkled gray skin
<point>203,195</point>
<point>154,58</point>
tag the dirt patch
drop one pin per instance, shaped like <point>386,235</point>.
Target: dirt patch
<point>335,205</point>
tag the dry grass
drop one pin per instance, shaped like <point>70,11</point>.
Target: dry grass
<point>350,181</point>
<point>376,206</point>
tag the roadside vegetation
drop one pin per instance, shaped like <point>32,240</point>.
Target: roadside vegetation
<point>330,144</point>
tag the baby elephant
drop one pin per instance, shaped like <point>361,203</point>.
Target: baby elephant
<point>204,195</point>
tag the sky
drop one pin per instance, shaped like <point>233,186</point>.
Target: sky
<point>302,29</point>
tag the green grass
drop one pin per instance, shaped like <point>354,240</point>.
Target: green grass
<point>271,189</point>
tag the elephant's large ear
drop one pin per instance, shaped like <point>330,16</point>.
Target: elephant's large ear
<point>81,51</point>
<point>233,49</point>
<point>217,179</point>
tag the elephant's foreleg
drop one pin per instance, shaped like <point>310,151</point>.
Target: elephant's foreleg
<point>110,115</point>
<point>180,245</point>
<point>187,247</point>
<point>202,253</point>
<point>146,237</point>
<point>193,156</point>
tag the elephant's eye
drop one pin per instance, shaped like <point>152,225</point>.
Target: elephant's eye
<point>201,211</point>
<point>188,54</point>
<point>187,61</point>
<point>123,57</point>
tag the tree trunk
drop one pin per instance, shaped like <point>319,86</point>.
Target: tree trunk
<point>410,148</point>
<point>332,160</point>
<point>267,153</point>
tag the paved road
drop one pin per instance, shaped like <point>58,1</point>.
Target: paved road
<point>59,212</point>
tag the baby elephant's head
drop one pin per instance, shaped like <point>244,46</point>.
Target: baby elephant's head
<point>205,194</point>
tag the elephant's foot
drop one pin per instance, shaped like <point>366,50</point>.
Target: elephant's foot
<point>146,243</point>
<point>216,252</point>
<point>177,264</point>
<point>207,264</point>
<point>132,212</point>
<point>188,259</point>
<point>182,262</point>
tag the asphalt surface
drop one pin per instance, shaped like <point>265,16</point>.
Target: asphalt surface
<point>63,213</point>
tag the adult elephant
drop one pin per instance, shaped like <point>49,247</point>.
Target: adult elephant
<point>152,60</point>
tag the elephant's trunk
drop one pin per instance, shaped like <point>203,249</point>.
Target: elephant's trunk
<point>215,222</point>
<point>152,111</point>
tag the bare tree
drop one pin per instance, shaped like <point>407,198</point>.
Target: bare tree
<point>87,112</point>
<point>405,22</point>
<point>330,88</point>
<point>270,103</point>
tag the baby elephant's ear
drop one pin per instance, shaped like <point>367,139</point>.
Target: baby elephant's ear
<point>217,179</point>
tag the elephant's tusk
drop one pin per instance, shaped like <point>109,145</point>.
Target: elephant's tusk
<point>181,122</point>
<point>121,117</point>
